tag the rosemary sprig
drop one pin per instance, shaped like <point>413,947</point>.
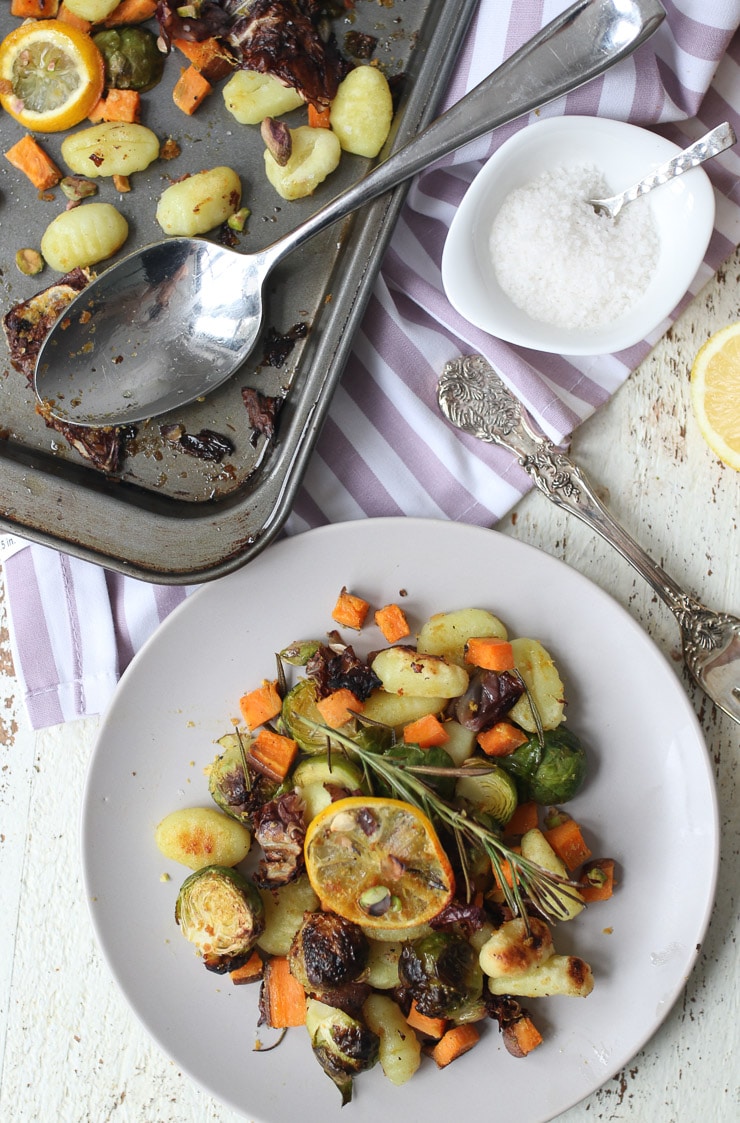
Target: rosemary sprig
<point>545,889</point>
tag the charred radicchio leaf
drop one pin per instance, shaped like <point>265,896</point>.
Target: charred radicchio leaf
<point>103,446</point>
<point>206,445</point>
<point>281,37</point>
<point>280,830</point>
<point>278,347</point>
<point>460,915</point>
<point>489,697</point>
<point>26,326</point>
<point>213,20</point>
<point>261,411</point>
<point>278,37</point>
<point>332,671</point>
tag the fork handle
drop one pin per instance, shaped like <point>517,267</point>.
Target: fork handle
<point>475,400</point>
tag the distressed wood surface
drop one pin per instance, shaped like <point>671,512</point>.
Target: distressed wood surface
<point>73,1053</point>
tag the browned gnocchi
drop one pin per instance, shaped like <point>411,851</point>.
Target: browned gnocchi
<point>199,203</point>
<point>362,111</point>
<point>110,148</point>
<point>315,154</point>
<point>250,97</point>
<point>83,236</point>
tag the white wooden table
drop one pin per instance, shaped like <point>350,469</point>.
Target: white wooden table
<point>70,1050</point>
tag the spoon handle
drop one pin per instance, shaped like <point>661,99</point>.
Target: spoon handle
<point>708,146</point>
<point>475,400</point>
<point>587,39</point>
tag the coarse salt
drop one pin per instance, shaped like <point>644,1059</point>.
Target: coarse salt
<point>564,264</point>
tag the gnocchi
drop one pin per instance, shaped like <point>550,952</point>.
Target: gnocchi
<point>512,950</point>
<point>382,964</point>
<point>560,974</point>
<point>539,672</point>
<point>400,709</point>
<point>400,1050</point>
<point>284,909</point>
<point>403,670</point>
<point>446,633</point>
<point>201,836</point>
<point>83,236</point>
<point>315,155</point>
<point>110,148</point>
<point>536,847</point>
<point>93,10</point>
<point>362,111</point>
<point>250,97</point>
<point>199,203</point>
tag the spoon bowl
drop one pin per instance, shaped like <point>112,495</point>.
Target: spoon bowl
<point>186,305</point>
<point>170,323</point>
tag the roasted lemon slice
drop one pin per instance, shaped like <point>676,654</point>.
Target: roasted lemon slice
<point>715,393</point>
<point>51,75</point>
<point>378,862</point>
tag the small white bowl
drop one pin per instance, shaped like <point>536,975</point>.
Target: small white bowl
<point>683,210</point>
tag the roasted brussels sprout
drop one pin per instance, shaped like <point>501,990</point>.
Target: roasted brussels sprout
<point>131,56</point>
<point>322,778</point>
<point>228,787</point>
<point>342,1045</point>
<point>327,952</point>
<point>493,793</point>
<point>300,703</point>
<point>442,973</point>
<point>549,773</point>
<point>222,914</point>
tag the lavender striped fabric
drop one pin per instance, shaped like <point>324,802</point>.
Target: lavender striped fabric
<point>385,449</point>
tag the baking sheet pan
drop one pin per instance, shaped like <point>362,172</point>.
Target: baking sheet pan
<point>169,517</point>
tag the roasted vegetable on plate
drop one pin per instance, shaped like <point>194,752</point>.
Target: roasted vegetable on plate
<point>401,866</point>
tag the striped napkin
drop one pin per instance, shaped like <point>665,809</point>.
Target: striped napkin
<point>385,450</point>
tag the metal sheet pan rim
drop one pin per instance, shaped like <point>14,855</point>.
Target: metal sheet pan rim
<point>22,514</point>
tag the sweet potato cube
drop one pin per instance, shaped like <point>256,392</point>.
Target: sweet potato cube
<point>350,611</point>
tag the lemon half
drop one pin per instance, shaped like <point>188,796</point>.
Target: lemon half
<point>378,862</point>
<point>715,393</point>
<point>51,75</point>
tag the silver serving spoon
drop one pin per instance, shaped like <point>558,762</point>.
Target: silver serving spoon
<point>708,146</point>
<point>475,400</point>
<point>174,320</point>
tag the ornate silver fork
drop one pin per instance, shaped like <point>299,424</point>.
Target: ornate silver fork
<point>475,400</point>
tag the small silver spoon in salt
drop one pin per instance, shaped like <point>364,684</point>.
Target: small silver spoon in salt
<point>714,142</point>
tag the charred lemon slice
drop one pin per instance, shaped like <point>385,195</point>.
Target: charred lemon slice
<point>51,75</point>
<point>378,862</point>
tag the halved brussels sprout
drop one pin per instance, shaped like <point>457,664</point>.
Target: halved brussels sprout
<point>342,1045</point>
<point>222,914</point>
<point>227,785</point>
<point>316,777</point>
<point>442,972</point>
<point>494,793</point>
<point>549,773</point>
<point>300,703</point>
